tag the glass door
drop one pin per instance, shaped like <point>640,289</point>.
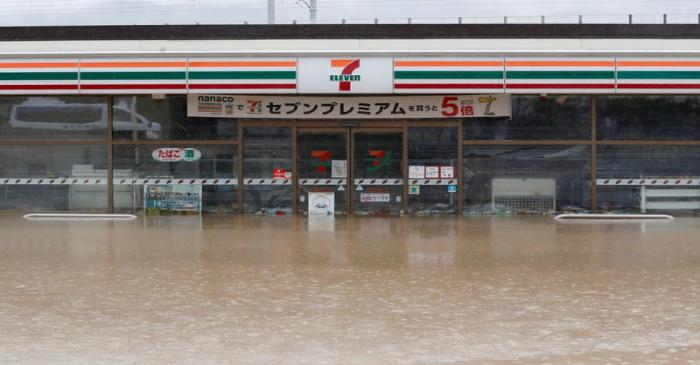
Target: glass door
<point>377,171</point>
<point>322,165</point>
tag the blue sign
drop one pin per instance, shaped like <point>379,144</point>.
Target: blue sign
<point>173,199</point>
<point>451,188</point>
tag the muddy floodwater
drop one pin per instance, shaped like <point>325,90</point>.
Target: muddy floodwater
<point>292,290</point>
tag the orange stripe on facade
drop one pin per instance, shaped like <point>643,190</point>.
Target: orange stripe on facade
<point>340,63</point>
<point>38,64</point>
<point>448,63</point>
<point>134,64</point>
<point>659,63</point>
<point>243,64</point>
<point>560,63</point>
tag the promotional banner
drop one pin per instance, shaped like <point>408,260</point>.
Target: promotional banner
<point>172,199</point>
<point>350,107</point>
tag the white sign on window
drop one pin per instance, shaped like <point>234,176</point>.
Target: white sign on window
<point>375,197</point>
<point>432,172</point>
<point>321,203</point>
<point>416,172</point>
<point>447,172</point>
<point>339,169</point>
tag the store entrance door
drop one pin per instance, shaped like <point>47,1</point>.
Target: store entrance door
<point>377,170</point>
<point>350,170</point>
<point>322,162</point>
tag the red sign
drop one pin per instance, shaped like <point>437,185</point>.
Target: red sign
<point>347,67</point>
<point>278,173</point>
<point>168,154</point>
<point>322,160</point>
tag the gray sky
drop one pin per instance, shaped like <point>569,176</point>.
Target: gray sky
<point>80,12</point>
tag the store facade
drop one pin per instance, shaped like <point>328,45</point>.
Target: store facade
<point>349,132</point>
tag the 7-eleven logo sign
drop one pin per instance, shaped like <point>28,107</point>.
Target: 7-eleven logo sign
<point>380,159</point>
<point>345,76</point>
<point>321,162</point>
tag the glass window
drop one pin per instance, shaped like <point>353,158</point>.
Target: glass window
<point>133,164</point>
<point>53,178</point>
<point>435,148</point>
<point>145,118</point>
<point>56,118</point>
<point>648,117</point>
<point>267,165</point>
<point>536,117</point>
<point>526,179</point>
<point>664,169</point>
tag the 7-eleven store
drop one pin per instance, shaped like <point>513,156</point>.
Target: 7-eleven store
<point>281,120</point>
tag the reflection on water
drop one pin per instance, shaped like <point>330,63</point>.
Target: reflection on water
<point>290,290</point>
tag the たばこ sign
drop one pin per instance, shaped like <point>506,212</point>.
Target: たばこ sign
<point>176,154</point>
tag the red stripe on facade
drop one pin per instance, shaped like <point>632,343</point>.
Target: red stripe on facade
<point>38,87</point>
<point>348,70</point>
<point>242,86</point>
<point>133,86</point>
<point>448,86</point>
<point>560,86</point>
<point>658,86</point>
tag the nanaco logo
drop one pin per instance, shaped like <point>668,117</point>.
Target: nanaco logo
<point>346,68</point>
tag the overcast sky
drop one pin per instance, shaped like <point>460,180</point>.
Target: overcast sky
<point>81,12</point>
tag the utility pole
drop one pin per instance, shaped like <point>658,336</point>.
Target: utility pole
<point>313,8</point>
<point>270,11</point>
<point>311,4</point>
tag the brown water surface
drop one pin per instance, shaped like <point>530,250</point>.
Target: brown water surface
<point>292,290</point>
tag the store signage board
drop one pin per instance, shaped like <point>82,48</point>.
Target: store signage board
<point>345,75</point>
<point>349,107</point>
<point>172,199</point>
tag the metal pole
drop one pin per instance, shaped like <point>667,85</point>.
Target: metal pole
<point>580,19</point>
<point>312,11</point>
<point>270,11</point>
<point>630,18</point>
<point>664,18</point>
<point>542,20</point>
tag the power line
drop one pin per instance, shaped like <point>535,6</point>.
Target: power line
<point>10,4</point>
<point>61,7</point>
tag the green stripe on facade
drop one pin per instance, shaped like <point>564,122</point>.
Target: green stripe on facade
<point>560,74</point>
<point>147,75</point>
<point>242,75</point>
<point>445,75</point>
<point>19,76</point>
<point>671,75</point>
